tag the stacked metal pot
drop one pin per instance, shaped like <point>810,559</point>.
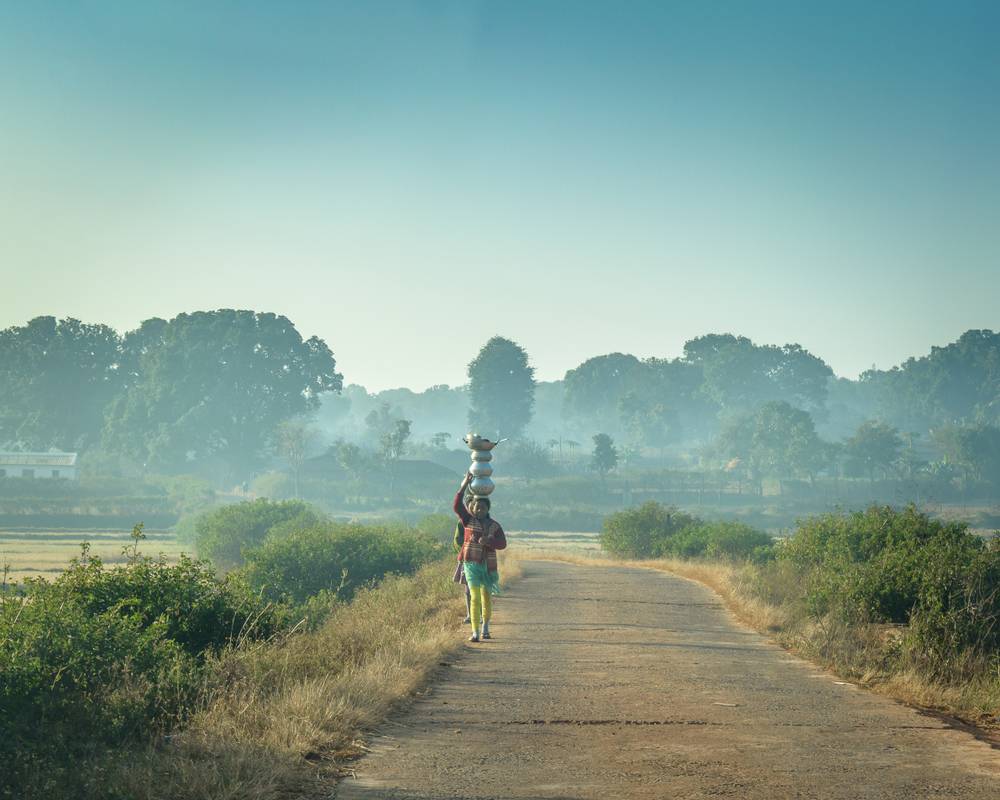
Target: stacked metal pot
<point>482,484</point>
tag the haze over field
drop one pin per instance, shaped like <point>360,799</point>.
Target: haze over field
<point>405,180</point>
<point>720,278</point>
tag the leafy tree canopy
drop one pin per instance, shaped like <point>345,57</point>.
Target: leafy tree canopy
<point>605,455</point>
<point>873,448</point>
<point>57,378</point>
<point>974,449</point>
<point>777,440</point>
<point>955,384</point>
<point>501,388</point>
<point>740,375</point>
<point>653,401</point>
<point>224,534</point>
<point>215,383</point>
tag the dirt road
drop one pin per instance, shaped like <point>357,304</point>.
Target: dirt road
<point>624,683</point>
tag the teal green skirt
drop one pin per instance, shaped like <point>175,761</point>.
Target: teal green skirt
<point>477,575</point>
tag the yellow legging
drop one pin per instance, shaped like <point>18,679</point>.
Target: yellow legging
<point>480,605</point>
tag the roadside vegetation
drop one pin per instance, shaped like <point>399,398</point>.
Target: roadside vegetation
<point>150,679</point>
<point>892,598</point>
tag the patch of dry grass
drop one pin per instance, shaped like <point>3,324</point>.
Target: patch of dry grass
<point>284,719</point>
<point>46,554</point>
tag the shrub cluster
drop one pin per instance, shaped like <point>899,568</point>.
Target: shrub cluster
<point>101,654</point>
<point>331,557</point>
<point>222,535</point>
<point>885,565</point>
<point>653,530</point>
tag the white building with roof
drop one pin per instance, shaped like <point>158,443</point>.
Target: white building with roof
<point>38,465</point>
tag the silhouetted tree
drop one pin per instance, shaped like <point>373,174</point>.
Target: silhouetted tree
<point>56,379</point>
<point>291,441</point>
<point>605,455</point>
<point>501,388</point>
<point>873,448</point>
<point>215,383</point>
<point>740,375</point>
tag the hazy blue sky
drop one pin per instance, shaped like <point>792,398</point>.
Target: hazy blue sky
<point>406,179</point>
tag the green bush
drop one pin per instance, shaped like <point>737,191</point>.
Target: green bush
<point>957,612</point>
<point>653,530</point>
<point>223,534</point>
<point>334,557</point>
<point>722,541</point>
<point>103,655</point>
<point>195,608</point>
<point>870,565</point>
<point>644,532</point>
<point>439,527</point>
<point>886,565</point>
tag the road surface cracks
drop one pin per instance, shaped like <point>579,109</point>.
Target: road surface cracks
<point>608,682</point>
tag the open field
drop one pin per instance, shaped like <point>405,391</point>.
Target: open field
<point>34,554</point>
<point>559,540</point>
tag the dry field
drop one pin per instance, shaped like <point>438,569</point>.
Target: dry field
<point>44,554</point>
<point>570,541</point>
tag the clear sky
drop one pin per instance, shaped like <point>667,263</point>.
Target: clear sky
<point>407,179</point>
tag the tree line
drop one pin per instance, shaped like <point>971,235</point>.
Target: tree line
<point>230,388</point>
<point>205,386</point>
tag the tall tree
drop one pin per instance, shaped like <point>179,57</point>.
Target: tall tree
<point>873,448</point>
<point>958,384</point>
<point>974,449</point>
<point>594,389</point>
<point>501,388</point>
<point>291,441</point>
<point>741,376</point>
<point>776,441</point>
<point>215,384</point>
<point>618,392</point>
<point>57,378</point>
<point>605,455</point>
<point>392,443</point>
<point>528,459</point>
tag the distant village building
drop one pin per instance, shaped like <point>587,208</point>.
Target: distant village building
<point>38,465</point>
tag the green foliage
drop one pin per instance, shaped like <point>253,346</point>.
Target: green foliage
<point>594,388</point>
<point>873,449</point>
<point>104,655</point>
<point>57,378</point>
<point>390,432</point>
<point>644,531</point>
<point>605,455</point>
<point>528,459</point>
<point>439,527</point>
<point>334,557</point>
<point>291,441</point>
<point>958,605</point>
<point>740,375</point>
<point>653,530</point>
<point>888,565</point>
<point>273,485</point>
<point>652,400</point>
<point>222,535</point>
<point>777,440</point>
<point>973,449</point>
<point>214,384</point>
<point>722,541</point>
<point>955,383</point>
<point>501,388</point>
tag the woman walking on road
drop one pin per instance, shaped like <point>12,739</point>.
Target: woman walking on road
<point>477,559</point>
